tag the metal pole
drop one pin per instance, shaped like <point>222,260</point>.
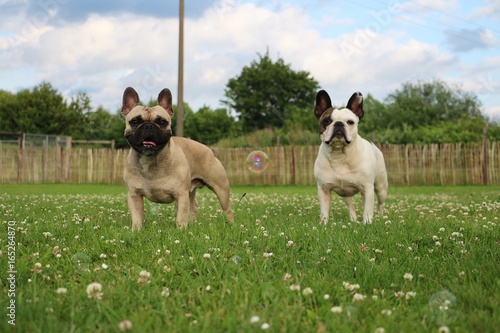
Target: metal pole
<point>180,82</point>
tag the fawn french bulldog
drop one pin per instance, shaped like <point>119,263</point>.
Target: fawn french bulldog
<point>165,168</point>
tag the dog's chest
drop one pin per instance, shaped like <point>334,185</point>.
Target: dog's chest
<point>337,176</point>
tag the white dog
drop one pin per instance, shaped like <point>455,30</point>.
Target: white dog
<point>347,163</point>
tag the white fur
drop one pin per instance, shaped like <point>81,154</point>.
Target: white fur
<point>349,166</point>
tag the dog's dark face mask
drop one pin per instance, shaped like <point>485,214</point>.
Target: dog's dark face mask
<point>148,136</point>
<point>147,129</point>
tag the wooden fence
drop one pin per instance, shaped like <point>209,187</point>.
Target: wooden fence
<point>443,164</point>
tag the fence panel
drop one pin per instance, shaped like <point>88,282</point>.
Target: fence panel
<point>54,160</point>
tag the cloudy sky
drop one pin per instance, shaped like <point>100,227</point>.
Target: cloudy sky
<point>103,46</point>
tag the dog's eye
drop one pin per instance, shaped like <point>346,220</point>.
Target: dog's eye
<point>134,121</point>
<point>327,121</point>
<point>350,122</point>
<point>162,122</point>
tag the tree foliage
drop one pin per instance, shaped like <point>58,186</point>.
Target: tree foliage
<point>266,94</point>
<point>421,112</point>
<point>424,112</point>
<point>207,125</point>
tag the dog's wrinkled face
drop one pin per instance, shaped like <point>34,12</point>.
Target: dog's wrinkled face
<point>147,129</point>
<point>338,127</point>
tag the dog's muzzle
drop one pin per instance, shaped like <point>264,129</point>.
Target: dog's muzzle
<point>338,133</point>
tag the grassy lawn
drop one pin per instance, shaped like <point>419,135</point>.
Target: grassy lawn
<point>432,263</point>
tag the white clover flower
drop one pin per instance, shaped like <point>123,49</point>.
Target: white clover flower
<point>94,290</point>
<point>47,234</point>
<point>379,330</point>
<point>399,294</point>
<point>254,319</point>
<point>336,309</point>
<point>265,326</point>
<point>290,244</point>
<point>408,277</point>
<point>144,277</point>
<point>287,277</point>
<point>267,255</point>
<point>125,325</point>
<point>165,292</point>
<point>295,287</point>
<point>358,298</point>
<point>326,297</point>
<point>37,269</point>
<point>443,329</point>
<point>206,256</point>
<point>411,294</point>
<point>307,291</point>
<point>387,312</point>
<point>104,266</point>
<point>61,291</point>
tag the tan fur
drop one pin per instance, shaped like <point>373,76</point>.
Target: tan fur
<point>173,173</point>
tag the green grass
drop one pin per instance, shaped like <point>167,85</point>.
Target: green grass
<point>215,277</point>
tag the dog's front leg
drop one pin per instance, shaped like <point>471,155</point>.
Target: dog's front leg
<point>324,204</point>
<point>182,210</point>
<point>368,203</point>
<point>136,207</point>
<point>350,208</point>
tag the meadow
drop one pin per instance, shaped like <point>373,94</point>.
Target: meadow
<point>70,263</point>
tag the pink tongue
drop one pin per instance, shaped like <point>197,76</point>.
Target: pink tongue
<point>149,143</point>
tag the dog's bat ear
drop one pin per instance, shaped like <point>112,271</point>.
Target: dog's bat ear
<point>355,104</point>
<point>165,101</point>
<point>323,103</point>
<point>130,100</point>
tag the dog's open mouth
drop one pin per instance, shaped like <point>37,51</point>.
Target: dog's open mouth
<point>148,144</point>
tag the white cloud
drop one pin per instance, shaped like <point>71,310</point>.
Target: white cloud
<point>104,54</point>
<point>491,8</point>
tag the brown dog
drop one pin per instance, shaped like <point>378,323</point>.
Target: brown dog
<point>164,168</point>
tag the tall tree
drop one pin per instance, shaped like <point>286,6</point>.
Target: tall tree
<point>265,92</point>
<point>44,110</point>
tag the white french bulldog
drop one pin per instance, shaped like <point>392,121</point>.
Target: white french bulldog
<point>347,163</point>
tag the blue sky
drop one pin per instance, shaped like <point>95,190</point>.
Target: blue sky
<point>374,46</point>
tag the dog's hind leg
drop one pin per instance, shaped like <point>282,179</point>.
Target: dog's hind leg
<point>193,206</point>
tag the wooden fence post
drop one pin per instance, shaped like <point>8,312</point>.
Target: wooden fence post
<point>484,155</point>
<point>20,157</point>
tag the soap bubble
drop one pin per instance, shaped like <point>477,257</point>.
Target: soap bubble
<point>257,161</point>
<point>81,261</point>
<point>443,306</point>
<point>235,259</point>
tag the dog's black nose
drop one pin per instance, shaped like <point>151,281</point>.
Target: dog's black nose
<point>148,126</point>
<point>338,124</point>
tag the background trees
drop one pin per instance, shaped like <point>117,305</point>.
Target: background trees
<point>269,94</point>
<point>425,112</point>
<point>266,101</point>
